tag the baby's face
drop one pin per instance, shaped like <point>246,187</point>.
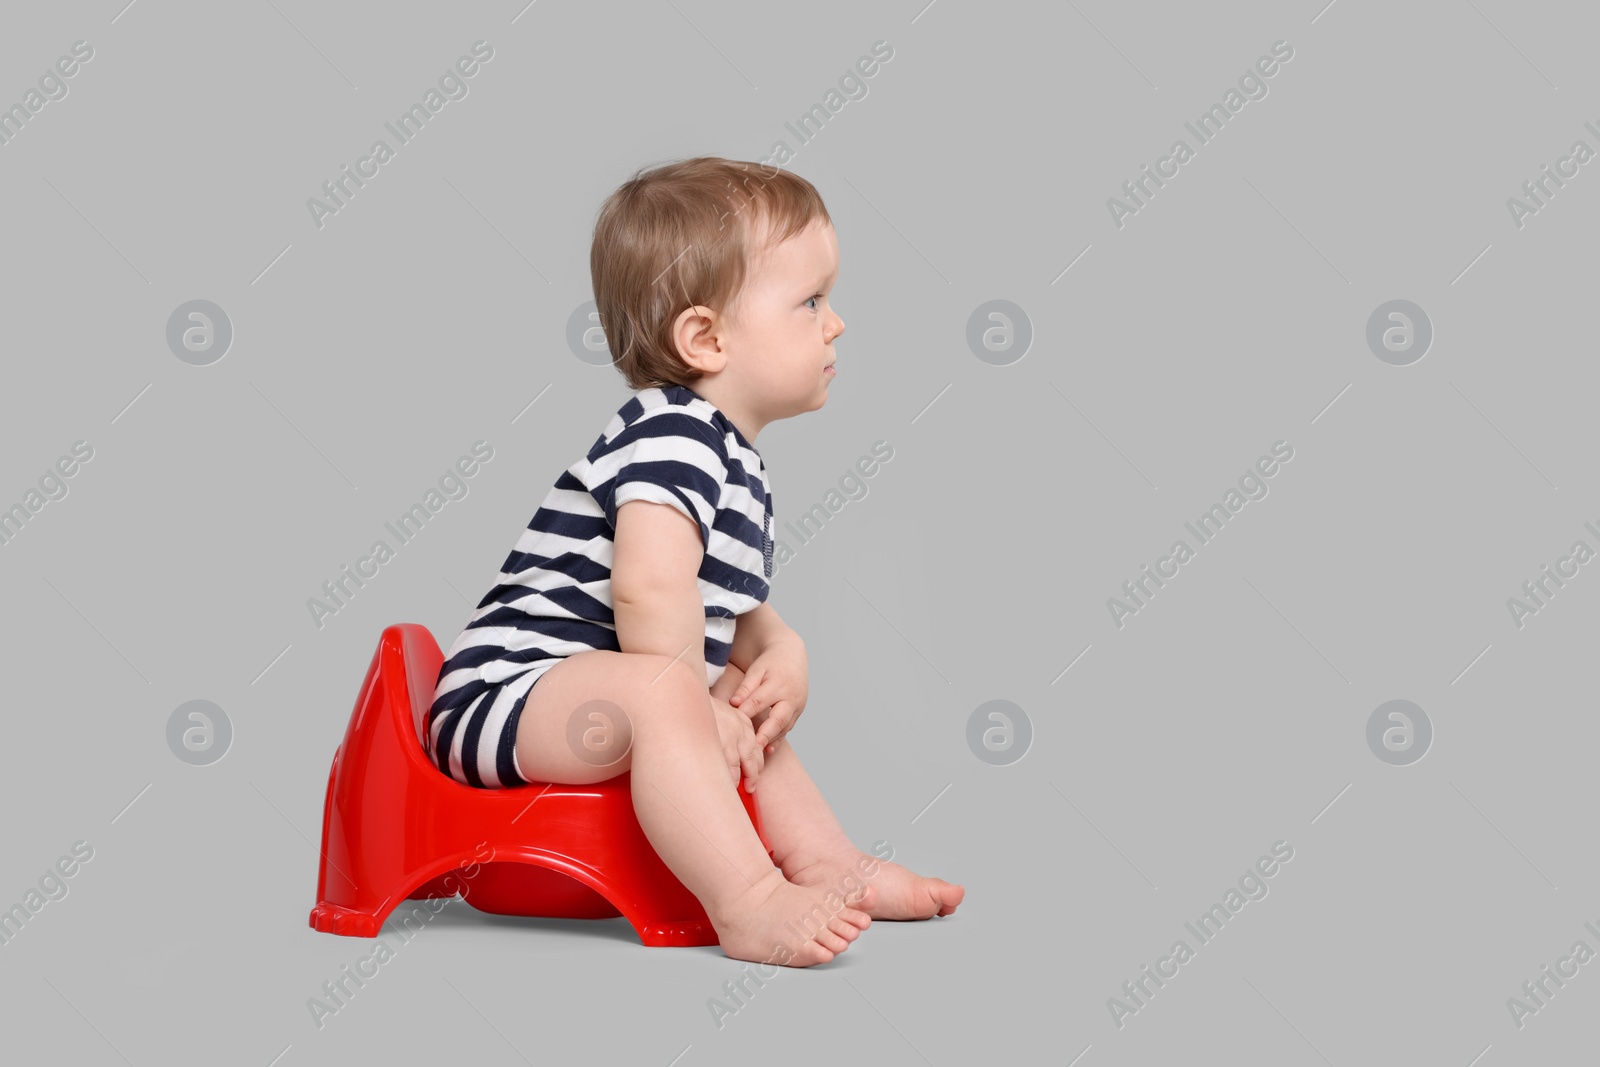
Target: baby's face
<point>783,328</point>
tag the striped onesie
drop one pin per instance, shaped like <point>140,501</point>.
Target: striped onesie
<point>552,597</point>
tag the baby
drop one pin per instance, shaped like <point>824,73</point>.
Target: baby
<point>652,620</point>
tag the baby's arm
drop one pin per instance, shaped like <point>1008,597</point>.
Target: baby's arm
<point>655,596</point>
<point>774,689</point>
<point>655,592</point>
<point>754,631</point>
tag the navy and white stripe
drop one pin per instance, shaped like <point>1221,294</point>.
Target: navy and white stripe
<point>552,597</point>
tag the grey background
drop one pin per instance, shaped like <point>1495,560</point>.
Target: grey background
<point>1228,314</point>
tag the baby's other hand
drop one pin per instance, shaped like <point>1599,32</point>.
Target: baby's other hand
<point>774,690</point>
<point>739,745</point>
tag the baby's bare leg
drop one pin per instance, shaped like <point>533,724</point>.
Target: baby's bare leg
<point>686,805</point>
<point>812,848</point>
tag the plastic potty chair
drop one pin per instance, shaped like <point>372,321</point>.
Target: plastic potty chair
<point>396,828</point>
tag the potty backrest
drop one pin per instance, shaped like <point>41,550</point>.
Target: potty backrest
<point>421,659</point>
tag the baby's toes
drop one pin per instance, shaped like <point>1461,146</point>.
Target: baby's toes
<point>830,940</point>
<point>856,917</point>
<point>811,953</point>
<point>945,896</point>
<point>927,897</point>
<point>843,928</point>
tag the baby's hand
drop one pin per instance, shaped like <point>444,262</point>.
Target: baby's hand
<point>776,683</point>
<point>739,746</point>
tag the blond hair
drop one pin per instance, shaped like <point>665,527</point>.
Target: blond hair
<point>663,242</point>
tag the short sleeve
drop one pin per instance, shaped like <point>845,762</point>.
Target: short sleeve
<point>670,458</point>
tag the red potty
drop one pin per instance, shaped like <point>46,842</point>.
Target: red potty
<point>395,827</point>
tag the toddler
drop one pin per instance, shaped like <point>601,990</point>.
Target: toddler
<point>639,588</point>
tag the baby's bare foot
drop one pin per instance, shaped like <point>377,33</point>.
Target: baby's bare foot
<point>775,921</point>
<point>902,894</point>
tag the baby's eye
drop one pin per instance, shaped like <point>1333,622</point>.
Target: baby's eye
<point>815,296</point>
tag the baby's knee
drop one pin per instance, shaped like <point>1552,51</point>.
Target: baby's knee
<point>664,689</point>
